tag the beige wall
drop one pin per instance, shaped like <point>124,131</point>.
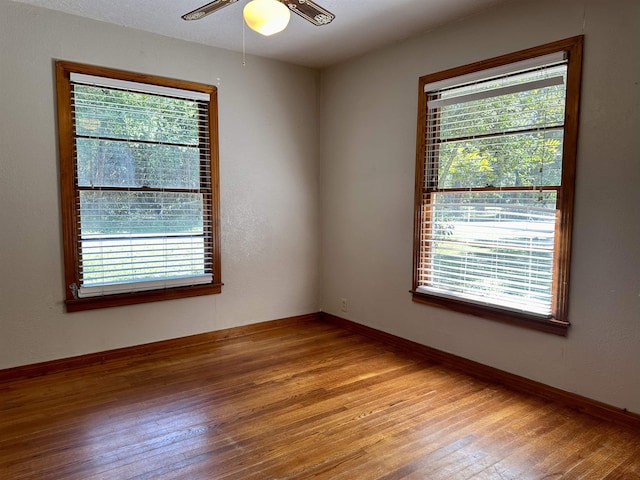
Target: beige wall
<point>368,125</point>
<point>269,192</point>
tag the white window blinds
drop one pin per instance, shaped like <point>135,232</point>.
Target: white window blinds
<point>143,182</point>
<point>493,172</point>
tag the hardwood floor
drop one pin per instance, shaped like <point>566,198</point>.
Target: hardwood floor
<point>305,401</point>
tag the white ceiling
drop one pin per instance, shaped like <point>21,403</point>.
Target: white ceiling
<point>360,25</point>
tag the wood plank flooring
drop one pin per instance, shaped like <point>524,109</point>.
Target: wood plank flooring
<point>312,401</point>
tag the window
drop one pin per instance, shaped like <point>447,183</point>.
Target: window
<point>139,186</point>
<point>494,186</point>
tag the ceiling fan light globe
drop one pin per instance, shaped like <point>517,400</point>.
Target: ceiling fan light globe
<point>266,16</point>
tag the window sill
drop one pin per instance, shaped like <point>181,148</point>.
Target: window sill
<point>548,325</point>
<point>107,301</point>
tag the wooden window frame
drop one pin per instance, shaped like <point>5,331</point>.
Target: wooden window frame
<point>559,321</point>
<point>69,190</point>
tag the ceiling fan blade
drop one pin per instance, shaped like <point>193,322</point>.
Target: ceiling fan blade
<point>310,11</point>
<point>207,9</point>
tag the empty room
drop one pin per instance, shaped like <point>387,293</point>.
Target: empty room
<point>369,240</point>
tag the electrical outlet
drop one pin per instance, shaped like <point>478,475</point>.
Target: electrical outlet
<point>343,305</point>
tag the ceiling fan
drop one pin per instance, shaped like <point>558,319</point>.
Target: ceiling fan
<point>269,16</point>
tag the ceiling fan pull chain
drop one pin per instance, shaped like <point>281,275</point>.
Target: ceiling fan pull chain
<point>244,50</point>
